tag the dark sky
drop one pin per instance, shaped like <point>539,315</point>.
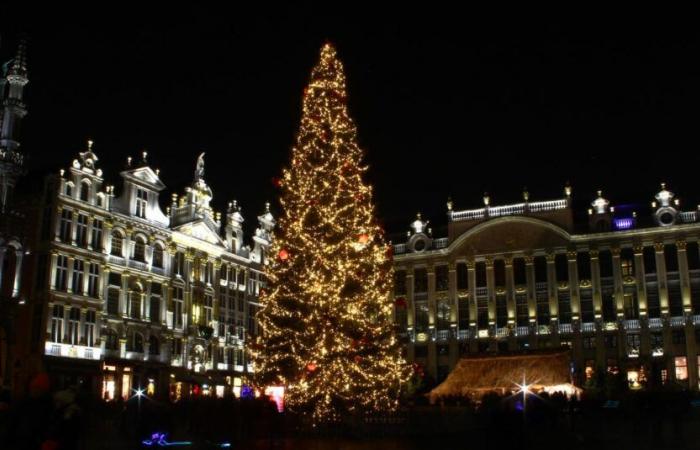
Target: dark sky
<point>446,104</point>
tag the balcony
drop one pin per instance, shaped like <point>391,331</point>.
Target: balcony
<point>72,351</point>
<point>588,327</point>
<point>463,334</point>
<point>632,324</point>
<point>139,265</point>
<point>502,332</point>
<point>565,328</point>
<point>443,335</point>
<point>677,321</point>
<point>655,324</point>
<point>543,329</point>
<point>440,243</point>
<point>522,331</point>
<point>117,260</point>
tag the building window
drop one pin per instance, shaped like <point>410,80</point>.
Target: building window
<point>208,309</point>
<point>631,305</point>
<point>85,191</point>
<point>81,230</point>
<point>177,347</point>
<point>153,346</point>
<point>112,340</point>
<point>61,272</point>
<point>135,342</point>
<point>442,278</point>
<point>141,203</point>
<point>94,280</point>
<point>180,264</point>
<point>681,365</point>
<point>443,315</point>
<point>74,326</point>
<point>462,276</point>
<point>158,256</point>
<point>78,268</point>
<point>420,281</point>
<point>66,224</point>
<point>178,300</point>
<point>89,328</point>
<point>140,249</point>
<point>69,189</point>
<point>96,239</point>
<point>117,241</point>
<point>627,262</point>
<point>155,302</point>
<point>610,341</point>
<point>209,272</point>
<point>57,323</point>
<point>521,310</point>
<point>135,304</point>
<point>678,336</point>
<point>633,344</point>
<point>589,342</point>
<point>113,301</point>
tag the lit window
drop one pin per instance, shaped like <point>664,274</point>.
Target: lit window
<point>141,203</point>
<point>681,364</point>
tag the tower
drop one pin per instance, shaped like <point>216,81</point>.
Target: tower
<point>14,78</point>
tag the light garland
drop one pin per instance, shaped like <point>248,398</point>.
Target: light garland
<point>326,320</point>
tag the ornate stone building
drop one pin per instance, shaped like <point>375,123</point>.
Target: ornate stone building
<point>126,296</point>
<point>13,79</point>
<point>621,289</point>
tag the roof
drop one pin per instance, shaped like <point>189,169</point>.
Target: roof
<point>478,375</point>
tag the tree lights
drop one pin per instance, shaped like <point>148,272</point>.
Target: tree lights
<point>327,332</point>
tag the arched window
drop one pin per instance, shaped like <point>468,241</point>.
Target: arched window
<point>158,256</point>
<point>153,346</point>
<point>135,342</point>
<point>140,249</point>
<point>116,243</point>
<point>85,191</point>
<point>69,189</point>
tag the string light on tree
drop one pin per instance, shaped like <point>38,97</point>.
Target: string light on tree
<point>326,317</point>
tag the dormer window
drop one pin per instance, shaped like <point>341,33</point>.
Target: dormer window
<point>141,203</point>
<point>85,191</point>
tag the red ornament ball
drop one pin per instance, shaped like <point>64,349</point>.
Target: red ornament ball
<point>358,359</point>
<point>400,302</point>
<point>363,239</point>
<point>283,255</point>
<point>311,367</point>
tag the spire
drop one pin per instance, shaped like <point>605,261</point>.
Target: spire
<point>14,79</point>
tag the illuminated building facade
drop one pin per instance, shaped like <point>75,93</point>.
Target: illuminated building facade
<point>621,289</point>
<point>13,79</point>
<point>127,296</point>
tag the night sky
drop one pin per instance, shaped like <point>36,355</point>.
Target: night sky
<point>443,106</point>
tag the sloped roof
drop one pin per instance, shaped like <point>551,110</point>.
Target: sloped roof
<point>474,375</point>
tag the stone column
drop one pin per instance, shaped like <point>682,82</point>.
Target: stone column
<point>552,289</point>
<point>124,295</point>
<point>531,299</point>
<point>575,302</point>
<point>510,291</point>
<point>88,231</point>
<point>454,313</point>
<point>69,278</point>
<point>491,295</point>
<point>432,307</point>
<point>57,224</point>
<point>104,286</point>
<point>684,277</point>
<point>640,282</point>
<point>473,310</point>
<point>18,272</point>
<point>661,277</point>
<point>617,283</point>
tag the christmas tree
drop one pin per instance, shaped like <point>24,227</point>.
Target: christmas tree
<point>326,320</point>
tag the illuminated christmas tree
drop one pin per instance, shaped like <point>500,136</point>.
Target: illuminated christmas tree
<point>327,331</point>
